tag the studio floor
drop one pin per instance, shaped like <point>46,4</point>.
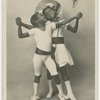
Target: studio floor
<point>21,88</point>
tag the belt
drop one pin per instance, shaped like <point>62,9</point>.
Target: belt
<point>57,40</point>
<point>41,52</point>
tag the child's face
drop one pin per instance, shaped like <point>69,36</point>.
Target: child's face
<point>41,17</point>
<point>50,14</point>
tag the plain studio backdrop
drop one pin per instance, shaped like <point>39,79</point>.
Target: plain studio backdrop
<point>20,52</point>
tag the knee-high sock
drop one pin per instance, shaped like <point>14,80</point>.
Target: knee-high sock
<point>36,84</point>
<point>69,88</point>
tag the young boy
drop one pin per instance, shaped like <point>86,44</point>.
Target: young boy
<point>61,55</point>
<point>42,32</point>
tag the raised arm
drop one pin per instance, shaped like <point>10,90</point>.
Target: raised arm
<point>78,16</point>
<point>27,26</point>
<point>20,33</point>
<point>64,22</point>
<point>75,28</point>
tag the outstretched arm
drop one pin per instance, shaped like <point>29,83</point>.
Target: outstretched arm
<point>78,16</point>
<point>64,22</point>
<point>20,33</point>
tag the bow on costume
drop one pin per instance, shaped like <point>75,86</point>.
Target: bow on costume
<point>75,3</point>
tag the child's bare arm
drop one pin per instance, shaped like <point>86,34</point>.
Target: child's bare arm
<point>64,22</point>
<point>20,33</point>
<point>27,26</point>
<point>78,16</point>
<point>75,28</point>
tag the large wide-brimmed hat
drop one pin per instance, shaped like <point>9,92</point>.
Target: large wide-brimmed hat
<point>51,3</point>
<point>44,3</point>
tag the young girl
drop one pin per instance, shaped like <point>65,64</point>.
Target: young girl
<point>61,55</point>
<point>42,32</point>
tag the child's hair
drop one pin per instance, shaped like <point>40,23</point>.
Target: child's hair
<point>34,19</point>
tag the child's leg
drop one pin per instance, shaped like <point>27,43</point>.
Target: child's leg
<point>36,83</point>
<point>37,61</point>
<point>69,89</point>
<point>59,87</point>
<point>51,66</point>
<point>65,77</point>
<point>64,73</point>
<point>49,77</point>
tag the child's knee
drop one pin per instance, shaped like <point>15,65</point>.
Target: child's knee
<point>37,79</point>
<point>38,73</point>
<point>56,79</point>
<point>53,72</point>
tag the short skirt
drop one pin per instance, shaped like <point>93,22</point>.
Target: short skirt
<point>63,56</point>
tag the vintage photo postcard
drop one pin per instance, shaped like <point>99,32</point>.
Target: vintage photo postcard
<point>50,49</point>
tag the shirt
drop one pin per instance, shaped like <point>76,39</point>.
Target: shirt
<point>58,32</point>
<point>43,38</point>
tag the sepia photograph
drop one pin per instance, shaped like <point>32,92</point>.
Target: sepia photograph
<point>50,49</point>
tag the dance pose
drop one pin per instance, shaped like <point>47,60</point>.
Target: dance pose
<point>39,22</point>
